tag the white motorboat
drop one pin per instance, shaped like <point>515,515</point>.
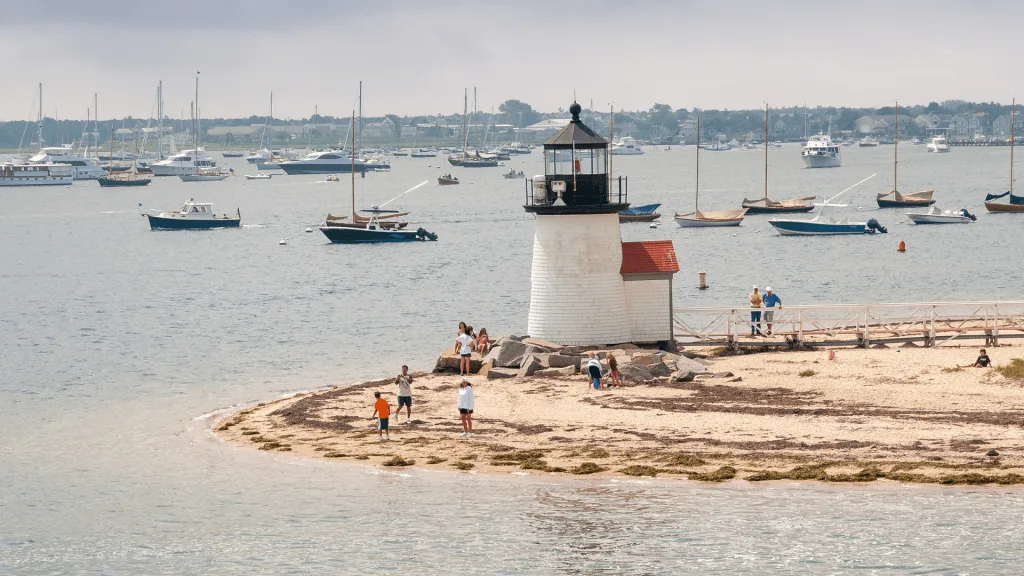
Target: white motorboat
<point>327,162</point>
<point>938,144</point>
<point>627,147</point>
<point>917,141</point>
<point>83,167</point>
<point>260,176</point>
<point>868,142</point>
<point>936,215</point>
<point>259,156</point>
<point>184,163</point>
<point>821,152</point>
<point>36,175</point>
<point>207,175</point>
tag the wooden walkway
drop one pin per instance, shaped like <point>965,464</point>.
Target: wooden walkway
<point>931,323</point>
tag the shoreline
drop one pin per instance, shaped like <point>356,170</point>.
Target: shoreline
<point>904,415</point>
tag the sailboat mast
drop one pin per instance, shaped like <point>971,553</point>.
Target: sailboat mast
<point>896,147</point>
<point>465,128</point>
<point>96,122</point>
<point>353,151</point>
<point>1013,141</point>
<point>360,113</point>
<point>766,154</point>
<point>197,113</point>
<point>696,195</point>
<point>110,165</point>
<point>160,120</point>
<point>40,115</point>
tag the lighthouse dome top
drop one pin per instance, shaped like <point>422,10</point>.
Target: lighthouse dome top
<point>576,134</point>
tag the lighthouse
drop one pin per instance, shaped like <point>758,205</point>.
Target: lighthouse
<point>577,292</point>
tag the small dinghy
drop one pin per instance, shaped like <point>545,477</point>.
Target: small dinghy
<point>260,176</point>
<point>935,215</point>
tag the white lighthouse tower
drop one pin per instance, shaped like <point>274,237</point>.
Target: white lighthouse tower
<point>577,293</point>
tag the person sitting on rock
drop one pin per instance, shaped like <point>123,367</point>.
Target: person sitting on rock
<point>483,342</point>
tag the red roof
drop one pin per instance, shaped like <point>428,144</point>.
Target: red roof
<point>654,257</point>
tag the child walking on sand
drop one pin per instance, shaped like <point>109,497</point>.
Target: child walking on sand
<point>466,407</point>
<point>381,411</point>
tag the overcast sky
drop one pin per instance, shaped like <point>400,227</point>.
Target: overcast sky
<point>415,57</point>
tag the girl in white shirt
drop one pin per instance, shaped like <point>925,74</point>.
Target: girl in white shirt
<point>464,344</point>
<point>466,407</point>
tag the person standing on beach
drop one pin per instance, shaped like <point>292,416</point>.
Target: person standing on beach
<point>594,370</point>
<point>464,343</point>
<point>466,407</point>
<point>404,382</point>
<point>770,302</point>
<point>613,372</point>
<point>755,312</point>
<point>381,411</point>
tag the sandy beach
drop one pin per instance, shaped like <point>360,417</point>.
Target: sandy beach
<point>906,414</point>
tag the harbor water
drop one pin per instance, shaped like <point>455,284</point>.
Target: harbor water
<point>122,346</point>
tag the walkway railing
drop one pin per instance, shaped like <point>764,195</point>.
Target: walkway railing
<point>931,322</point>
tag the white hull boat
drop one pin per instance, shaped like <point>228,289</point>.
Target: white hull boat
<point>186,162</point>
<point>36,175</point>
<point>821,152</point>
<point>938,144</point>
<point>935,215</point>
<point>715,219</point>
<point>260,176</point>
<point>83,167</point>
<point>207,175</point>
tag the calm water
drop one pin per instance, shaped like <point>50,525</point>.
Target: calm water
<point>118,344</point>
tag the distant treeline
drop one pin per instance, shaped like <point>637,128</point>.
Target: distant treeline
<point>661,123</point>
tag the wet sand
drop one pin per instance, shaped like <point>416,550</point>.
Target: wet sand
<point>900,414</point>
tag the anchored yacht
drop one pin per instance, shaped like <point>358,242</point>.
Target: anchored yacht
<point>627,147</point>
<point>821,152</point>
<point>83,167</point>
<point>36,175</point>
<point>185,162</point>
<point>329,162</point>
<point>938,144</point>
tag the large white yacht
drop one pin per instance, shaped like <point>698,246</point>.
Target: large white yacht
<point>326,162</point>
<point>938,144</point>
<point>627,147</point>
<point>36,175</point>
<point>821,152</point>
<point>83,167</point>
<point>184,162</point>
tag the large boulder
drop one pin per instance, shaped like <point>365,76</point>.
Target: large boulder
<point>510,354</point>
<point>555,372</point>
<point>635,373</point>
<point>544,345</point>
<point>644,358</point>
<point>501,373</point>
<point>561,361</point>
<point>689,365</point>
<point>530,366</point>
<point>485,367</point>
<point>448,361</point>
<point>681,376</point>
<point>511,338</point>
<point>659,370</point>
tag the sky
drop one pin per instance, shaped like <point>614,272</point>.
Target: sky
<point>417,57</point>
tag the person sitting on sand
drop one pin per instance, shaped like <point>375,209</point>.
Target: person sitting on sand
<point>466,407</point>
<point>381,411</point>
<point>983,360</point>
<point>613,368</point>
<point>594,370</point>
<point>404,382</point>
<point>483,342</point>
<point>464,343</point>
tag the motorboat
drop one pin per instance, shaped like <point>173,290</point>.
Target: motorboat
<point>193,216</point>
<point>716,146</point>
<point>261,155</point>
<point>512,174</point>
<point>917,141</point>
<point>645,213</point>
<point>627,147</point>
<point>821,152</point>
<point>183,163</point>
<point>83,167</point>
<point>766,205</point>
<point>698,219</point>
<point>935,215</point>
<point>1013,203</point>
<point>259,176</point>
<point>36,174</point>
<point>938,144</point>
<point>447,180</point>
<point>328,162</point>
<point>207,175</point>
<point>867,142</point>
<point>232,153</point>
<point>824,225</point>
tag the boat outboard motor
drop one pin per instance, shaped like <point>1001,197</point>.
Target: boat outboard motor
<point>874,226</point>
<point>966,214</point>
<point>423,235</point>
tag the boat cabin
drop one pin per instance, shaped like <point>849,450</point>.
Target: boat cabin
<point>576,174</point>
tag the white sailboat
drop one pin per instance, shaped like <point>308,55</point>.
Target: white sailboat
<point>698,219</point>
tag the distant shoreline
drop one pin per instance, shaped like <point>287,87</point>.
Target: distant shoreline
<point>906,415</point>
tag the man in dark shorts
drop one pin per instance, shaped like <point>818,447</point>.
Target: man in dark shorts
<point>983,360</point>
<point>404,382</point>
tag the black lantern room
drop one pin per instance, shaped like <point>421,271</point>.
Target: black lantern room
<point>576,178</point>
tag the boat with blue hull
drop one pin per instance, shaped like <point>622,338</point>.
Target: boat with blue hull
<point>193,216</point>
<point>645,213</point>
<point>374,233</point>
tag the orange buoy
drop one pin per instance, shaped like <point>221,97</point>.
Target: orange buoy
<point>902,247</point>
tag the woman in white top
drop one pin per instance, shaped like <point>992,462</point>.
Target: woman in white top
<point>466,407</point>
<point>464,343</point>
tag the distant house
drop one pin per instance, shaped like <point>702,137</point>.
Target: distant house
<point>882,125</point>
<point>688,129</point>
<point>1001,126</point>
<point>540,131</point>
<point>384,128</point>
<point>967,125</point>
<point>235,131</point>
<point>408,133</point>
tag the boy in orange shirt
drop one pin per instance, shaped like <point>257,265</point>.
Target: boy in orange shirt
<point>381,411</point>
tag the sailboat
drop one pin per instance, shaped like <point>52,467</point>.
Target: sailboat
<point>894,199</point>
<point>768,206</point>
<point>467,160</point>
<point>825,224</point>
<point>1014,203</point>
<point>698,219</point>
<point>123,179</point>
